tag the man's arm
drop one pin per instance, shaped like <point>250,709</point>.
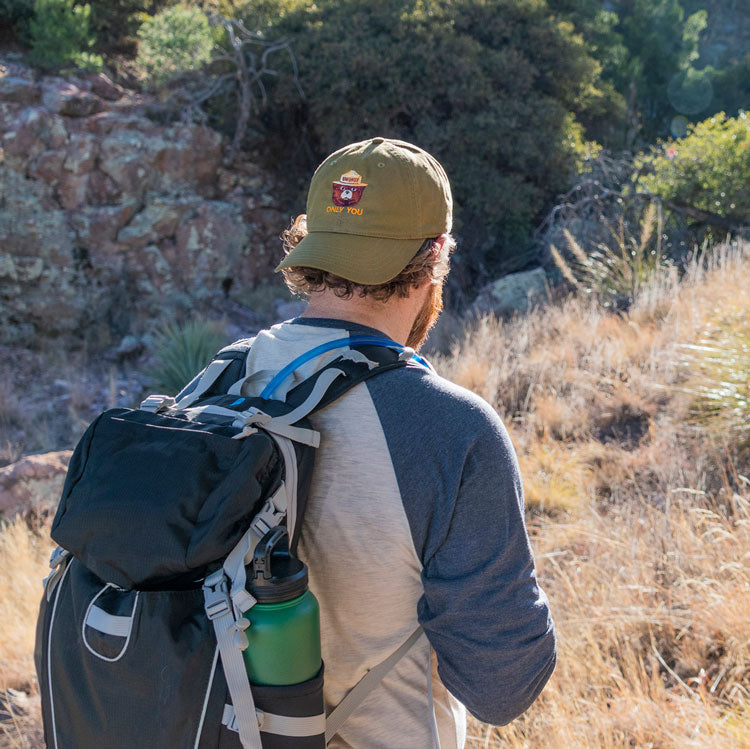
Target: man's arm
<point>482,609</point>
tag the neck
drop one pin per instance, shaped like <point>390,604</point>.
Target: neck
<point>394,317</point>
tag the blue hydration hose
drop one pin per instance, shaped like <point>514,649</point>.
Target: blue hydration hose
<point>357,340</point>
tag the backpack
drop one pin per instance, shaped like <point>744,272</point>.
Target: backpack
<point>140,635</point>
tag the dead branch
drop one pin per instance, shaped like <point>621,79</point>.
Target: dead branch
<point>249,53</point>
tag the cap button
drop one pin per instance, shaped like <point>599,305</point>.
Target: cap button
<point>378,141</point>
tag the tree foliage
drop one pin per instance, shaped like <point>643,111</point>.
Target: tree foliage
<point>116,22</point>
<point>61,34</point>
<point>16,14</point>
<point>705,174</point>
<point>490,88</point>
<point>175,40</point>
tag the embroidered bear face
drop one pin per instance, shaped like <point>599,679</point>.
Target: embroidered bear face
<point>349,189</point>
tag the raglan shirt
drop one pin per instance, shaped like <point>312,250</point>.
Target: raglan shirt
<point>415,516</point>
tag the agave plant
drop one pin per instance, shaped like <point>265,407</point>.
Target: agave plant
<point>182,351</point>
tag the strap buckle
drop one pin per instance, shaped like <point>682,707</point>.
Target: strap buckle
<point>57,557</point>
<point>272,513</point>
<point>216,595</point>
<point>156,403</point>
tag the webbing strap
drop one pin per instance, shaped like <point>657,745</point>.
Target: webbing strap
<point>280,725</point>
<point>291,481</point>
<point>220,611</point>
<point>234,566</point>
<point>298,434</point>
<point>282,504</point>
<point>107,623</point>
<point>324,381</point>
<point>248,420</point>
<point>210,374</point>
<point>366,684</point>
<point>260,374</point>
<point>56,563</point>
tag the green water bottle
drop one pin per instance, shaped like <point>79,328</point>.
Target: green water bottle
<point>284,631</point>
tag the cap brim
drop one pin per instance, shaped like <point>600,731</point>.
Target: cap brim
<point>363,260</point>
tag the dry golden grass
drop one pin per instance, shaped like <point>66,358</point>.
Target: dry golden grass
<point>639,516</point>
<point>594,400</point>
<point>652,607</point>
<point>641,527</point>
<point>24,556</point>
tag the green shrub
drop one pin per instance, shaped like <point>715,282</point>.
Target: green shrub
<point>489,88</point>
<point>172,42</point>
<point>182,351</point>
<point>706,174</point>
<point>60,35</point>
<point>116,22</point>
<point>16,14</point>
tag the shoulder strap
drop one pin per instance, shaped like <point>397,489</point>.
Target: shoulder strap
<point>348,342</point>
<point>366,684</point>
<point>219,374</point>
<point>359,364</point>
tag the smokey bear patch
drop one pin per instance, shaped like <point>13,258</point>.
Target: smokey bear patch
<point>349,189</point>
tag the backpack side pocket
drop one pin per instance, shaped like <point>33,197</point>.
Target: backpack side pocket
<point>290,717</point>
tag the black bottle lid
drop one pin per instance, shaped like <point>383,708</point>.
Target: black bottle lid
<point>277,575</point>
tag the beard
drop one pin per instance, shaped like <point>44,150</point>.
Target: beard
<point>427,317</point>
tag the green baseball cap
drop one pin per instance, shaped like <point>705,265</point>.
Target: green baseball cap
<point>370,207</point>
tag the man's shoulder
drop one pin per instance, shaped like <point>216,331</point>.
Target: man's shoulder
<point>423,396</point>
<point>433,427</point>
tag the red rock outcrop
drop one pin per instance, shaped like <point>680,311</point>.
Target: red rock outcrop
<point>106,214</point>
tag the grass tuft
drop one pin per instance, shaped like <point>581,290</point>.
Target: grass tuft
<point>619,268</point>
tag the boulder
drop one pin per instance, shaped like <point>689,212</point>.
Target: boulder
<point>102,86</point>
<point>158,219</point>
<point>516,292</point>
<point>103,190</point>
<point>123,159</point>
<point>21,90</point>
<point>48,166</point>
<point>64,97</point>
<point>106,122</point>
<point>72,191</point>
<point>108,217</point>
<point>191,154</point>
<point>81,153</point>
<point>33,483</point>
<point>98,225</point>
<point>209,247</point>
<point>30,132</point>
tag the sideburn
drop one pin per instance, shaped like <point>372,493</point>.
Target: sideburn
<point>427,317</point>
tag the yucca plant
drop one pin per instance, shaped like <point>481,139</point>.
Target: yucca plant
<point>718,367</point>
<point>182,351</point>
<point>618,268</point>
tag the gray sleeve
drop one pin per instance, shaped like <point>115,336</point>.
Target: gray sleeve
<point>482,609</point>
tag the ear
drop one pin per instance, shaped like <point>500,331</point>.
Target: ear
<point>440,241</point>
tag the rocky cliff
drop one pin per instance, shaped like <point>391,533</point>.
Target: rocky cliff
<point>110,220</point>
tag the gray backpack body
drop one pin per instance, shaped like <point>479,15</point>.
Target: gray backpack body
<point>140,634</point>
